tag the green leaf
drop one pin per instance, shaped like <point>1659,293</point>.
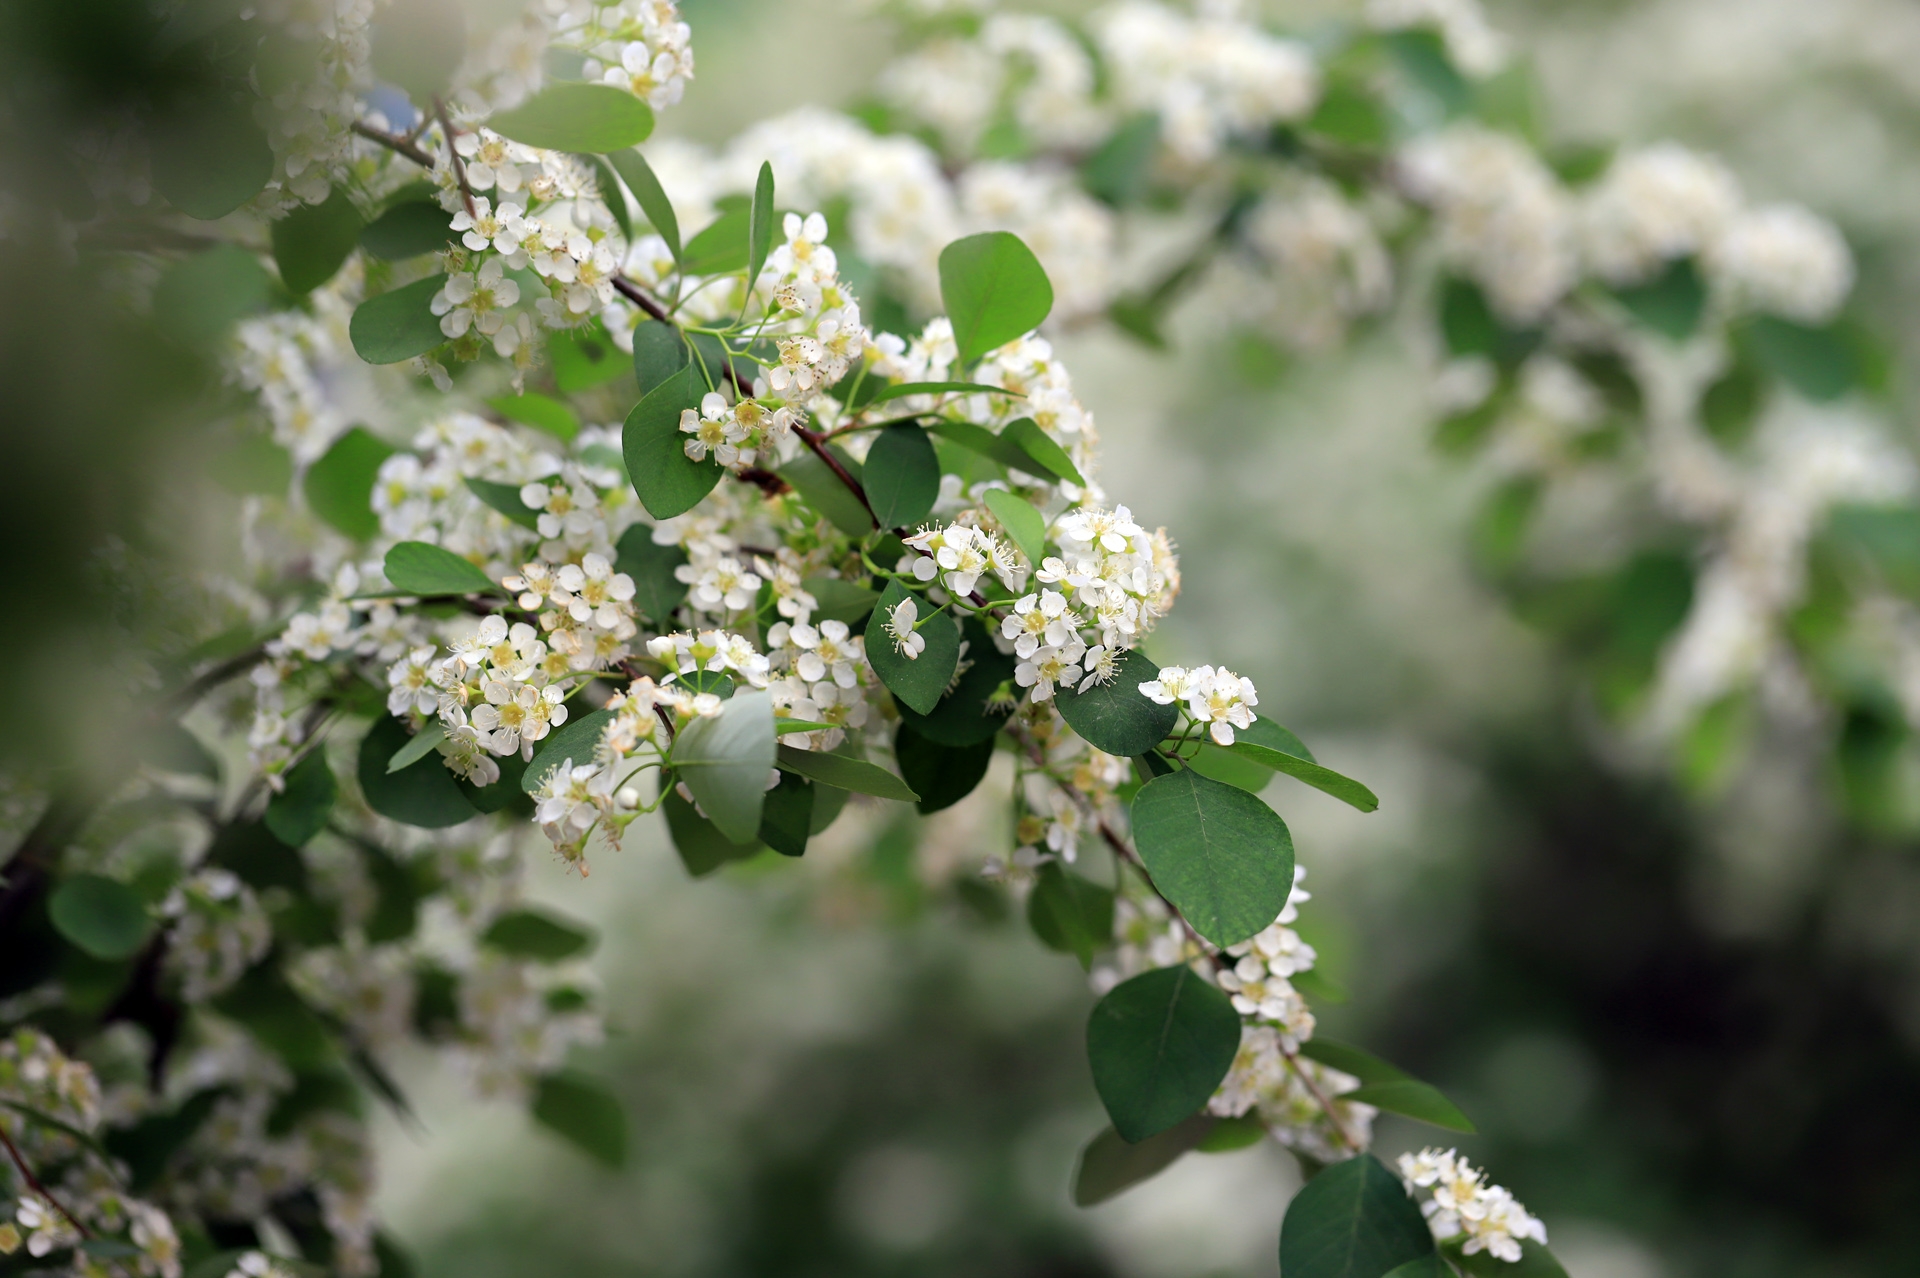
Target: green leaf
<point>582,1110</point>
<point>760,223</point>
<point>311,242</point>
<point>1387,1087</point>
<point>1230,1134</point>
<point>209,156</point>
<point>1223,765</point>
<point>979,439</point>
<point>339,486</point>
<point>702,848</point>
<point>591,118</point>
<point>725,759</point>
<point>1222,857</point>
<point>786,820</point>
<point>719,248</point>
<point>1070,914</point>
<point>1731,405</point>
<point>844,773</point>
<point>1159,1044</point>
<point>841,600</point>
<point>917,682</point>
<point>201,298</point>
<point>1115,716</point>
<point>901,476</point>
<point>668,481</point>
<point>1353,1220</point>
<point>504,498</point>
<point>398,324</point>
<point>1045,452</point>
<point>300,810</point>
<point>1671,303</point>
<point>584,358</point>
<point>1345,789</point>
<point>994,290</point>
<point>507,790</point>
<point>827,493</point>
<point>1023,523</point>
<point>1820,363</point>
<point>941,775</point>
<point>418,746</point>
<point>420,568</point>
<point>651,196</point>
<point>541,412</point>
<point>609,189</point>
<point>577,739</point>
<point>900,390</point>
<point>1470,327</point>
<point>1431,1266</point>
<point>1110,1165</point>
<point>406,229</point>
<point>659,351</point>
<point>535,934</point>
<point>1117,170</point>
<point>104,917</point>
<point>148,1144</point>
<point>787,727</point>
<point>963,716</point>
<point>1535,1262</point>
<point>424,794</point>
<point>656,591</point>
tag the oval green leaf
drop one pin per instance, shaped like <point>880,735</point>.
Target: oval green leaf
<point>725,759</point>
<point>1159,1044</point>
<point>209,156</point>
<point>1109,1165</point>
<point>668,481</point>
<point>760,219</point>
<point>398,324</point>
<point>305,801</point>
<point>1222,857</point>
<point>901,476</point>
<point>900,390</point>
<point>1386,1086</point>
<point>994,290</point>
<point>102,916</point>
<point>424,794</point>
<point>1535,1262</point>
<point>538,935</point>
<point>917,681</point>
<point>339,486</point>
<point>421,568</point>
<point>418,747</point>
<point>786,819</point>
<point>1042,448</point>
<point>652,197</point>
<point>576,739</point>
<point>1343,788</point>
<point>979,704</point>
<point>827,493</point>
<point>541,412</point>
<point>504,498</point>
<point>656,591</point>
<point>590,118</point>
<point>408,228</point>
<point>941,775</point>
<point>1023,523</point>
<point>1353,1220</point>
<point>1115,716</point>
<point>584,1112</point>
<point>311,242</point>
<point>844,773</point>
<point>1070,914</point>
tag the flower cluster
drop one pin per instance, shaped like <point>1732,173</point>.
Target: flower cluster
<point>1463,1204</point>
<point>1218,700</point>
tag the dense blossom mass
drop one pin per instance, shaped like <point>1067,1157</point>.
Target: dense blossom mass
<point>729,483</point>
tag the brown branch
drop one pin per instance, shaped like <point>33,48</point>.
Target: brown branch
<point>33,1183</point>
<point>817,442</point>
<point>453,153</point>
<point>395,143</point>
<point>767,482</point>
<point>1321,1099</point>
<point>638,296</point>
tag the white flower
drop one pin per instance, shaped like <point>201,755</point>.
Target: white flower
<point>907,641</point>
<point>1220,699</point>
<point>1051,667</point>
<point>714,430</point>
<point>477,301</point>
<point>1464,1203</point>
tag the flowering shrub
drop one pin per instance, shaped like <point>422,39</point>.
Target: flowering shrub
<point>593,518</point>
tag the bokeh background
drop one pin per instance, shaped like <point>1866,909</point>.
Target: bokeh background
<point>1688,1026</point>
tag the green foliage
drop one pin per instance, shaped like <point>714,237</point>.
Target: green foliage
<point>1821,363</point>
<point>398,324</point>
<point>541,412</point>
<point>313,241</point>
<point>724,760</point>
<point>1421,57</point>
<point>104,917</point>
<point>656,591</point>
<point>1429,1266</point>
<point>827,493</point>
<point>844,773</point>
<point>702,848</point>
<point>209,155</point>
<point>760,219</point>
<point>590,118</point>
<point>576,739</point>
<point>1731,405</point>
<point>1221,764</point>
<point>1022,522</point>
<point>941,775</point>
<point>1159,1044</point>
<point>339,486</point>
<point>994,290</point>
<point>1353,1220</point>
<point>1070,914</point>
<point>424,794</point>
<point>668,481</point>
<point>582,1111</point>
<point>1110,1164</point>
<point>584,358</point>
<point>301,808</point>
<point>1113,716</point>
<point>918,681</point>
<point>841,600</point>
<point>407,228</point>
<point>649,194</point>
<point>201,297</point>
<point>720,247</point>
<point>1470,327</point>
<point>978,439</point>
<point>786,817</point>
<point>1222,857</point>
<point>1230,1134</point>
<point>901,476</point>
<point>1671,303</point>
<point>902,390</point>
<point>535,934</point>
<point>1535,1262</point>
<point>659,351</point>
<point>963,717</point>
<point>421,568</point>
<point>418,45</point>
<point>1053,461</point>
<point>1118,169</point>
<point>1385,1087</point>
<point>1343,788</point>
<point>504,498</point>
